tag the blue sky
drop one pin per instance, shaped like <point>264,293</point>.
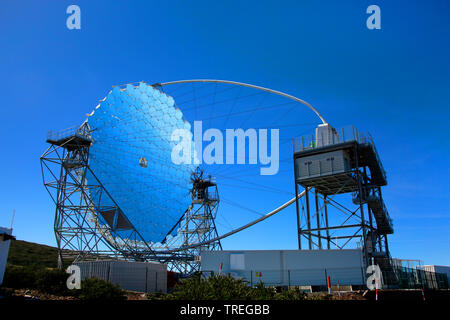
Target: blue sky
<point>392,82</point>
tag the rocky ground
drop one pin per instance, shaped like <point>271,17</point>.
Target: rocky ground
<point>39,295</point>
<point>406,295</point>
<point>132,295</point>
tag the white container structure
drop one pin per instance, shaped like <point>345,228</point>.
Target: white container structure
<point>5,240</point>
<point>288,267</point>
<point>129,275</point>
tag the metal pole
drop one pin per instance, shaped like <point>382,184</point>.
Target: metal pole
<point>326,220</point>
<point>308,219</point>
<point>299,235</point>
<point>361,208</point>
<point>385,236</point>
<point>289,278</point>
<point>372,235</point>
<point>318,218</point>
<point>386,244</point>
<point>146,278</point>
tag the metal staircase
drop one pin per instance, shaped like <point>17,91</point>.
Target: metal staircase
<point>372,196</point>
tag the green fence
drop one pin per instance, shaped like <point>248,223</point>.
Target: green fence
<point>411,278</point>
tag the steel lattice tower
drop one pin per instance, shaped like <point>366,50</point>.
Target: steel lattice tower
<point>198,226</point>
<point>78,231</point>
<point>333,163</point>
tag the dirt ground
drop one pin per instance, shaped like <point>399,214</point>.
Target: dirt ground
<point>132,295</point>
<point>336,296</point>
<point>33,295</point>
<point>386,295</point>
<point>39,295</point>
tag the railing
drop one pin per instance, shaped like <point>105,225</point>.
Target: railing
<point>414,278</point>
<point>371,194</point>
<point>65,133</point>
<point>341,135</point>
<point>388,218</point>
<point>400,277</point>
<point>299,277</point>
<point>208,195</point>
<point>370,142</point>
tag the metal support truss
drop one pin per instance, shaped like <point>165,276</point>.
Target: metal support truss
<point>81,229</point>
<point>352,224</point>
<point>86,220</point>
<point>197,225</point>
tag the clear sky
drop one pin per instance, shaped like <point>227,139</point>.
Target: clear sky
<point>393,82</point>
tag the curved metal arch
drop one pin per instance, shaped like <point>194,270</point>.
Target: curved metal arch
<point>249,86</point>
<point>271,213</point>
<point>248,225</point>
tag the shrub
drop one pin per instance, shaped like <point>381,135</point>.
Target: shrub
<point>19,277</point>
<point>96,289</point>
<point>6,293</point>
<point>291,294</point>
<point>261,292</point>
<point>215,287</point>
<point>218,287</point>
<point>52,281</point>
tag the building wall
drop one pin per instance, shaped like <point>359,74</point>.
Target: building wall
<point>323,164</point>
<point>288,267</point>
<point>4,249</point>
<point>129,275</point>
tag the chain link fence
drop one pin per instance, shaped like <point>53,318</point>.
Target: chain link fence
<point>397,277</point>
<point>300,277</point>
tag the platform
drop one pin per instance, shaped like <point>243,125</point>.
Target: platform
<point>356,149</point>
<point>332,183</point>
<point>71,138</point>
<point>343,161</point>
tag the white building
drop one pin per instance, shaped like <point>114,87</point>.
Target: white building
<point>288,267</point>
<point>5,240</point>
<point>129,275</point>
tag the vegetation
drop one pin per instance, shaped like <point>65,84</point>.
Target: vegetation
<point>28,254</point>
<point>217,287</point>
<point>52,281</point>
<point>18,277</point>
<point>96,289</point>
<point>31,266</point>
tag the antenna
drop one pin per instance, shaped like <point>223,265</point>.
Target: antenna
<point>12,219</point>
